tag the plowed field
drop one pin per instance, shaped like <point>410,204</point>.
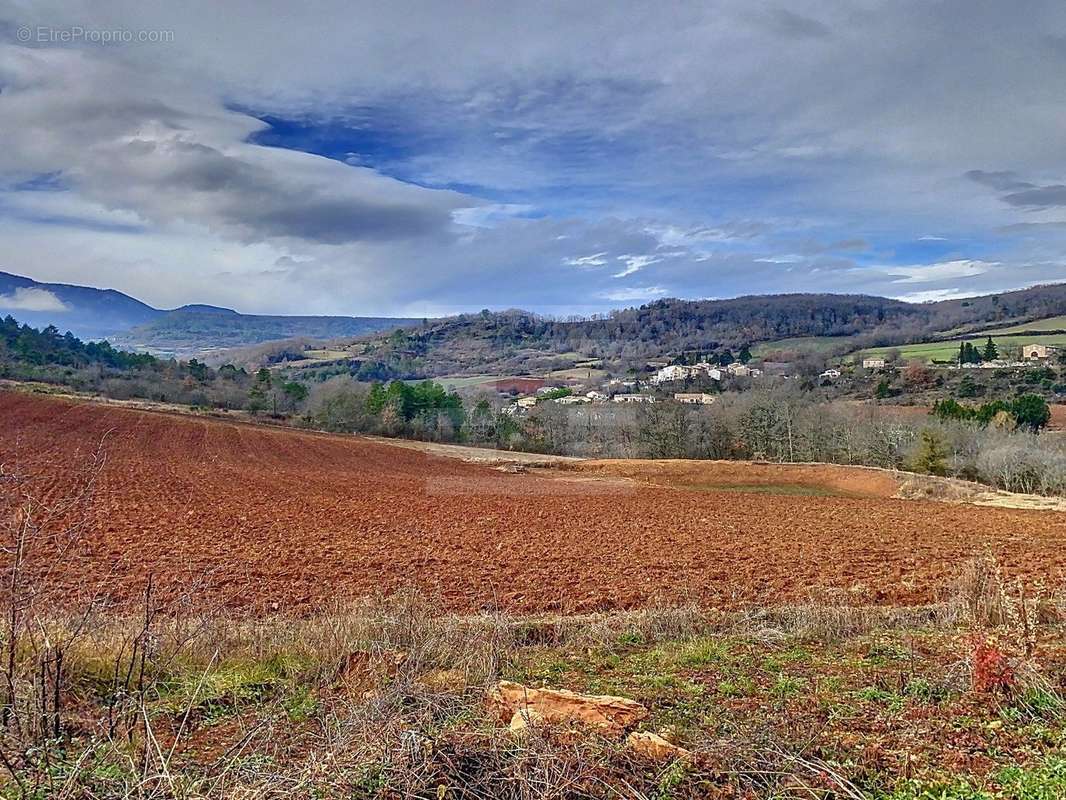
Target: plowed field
<point>261,518</point>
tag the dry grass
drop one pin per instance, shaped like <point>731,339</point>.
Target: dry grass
<point>383,698</point>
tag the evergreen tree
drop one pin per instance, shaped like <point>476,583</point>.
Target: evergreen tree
<point>256,398</point>
<point>932,454</point>
<point>967,387</point>
<point>968,354</point>
<point>991,353</point>
<point>1031,411</point>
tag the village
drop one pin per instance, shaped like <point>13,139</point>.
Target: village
<point>712,378</point>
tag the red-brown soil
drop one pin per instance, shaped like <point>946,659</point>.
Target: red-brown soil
<point>745,476</point>
<point>1058,417</point>
<point>260,518</point>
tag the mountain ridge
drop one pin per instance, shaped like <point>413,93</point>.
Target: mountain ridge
<point>93,314</point>
<point>518,342</point>
<point>509,338</point>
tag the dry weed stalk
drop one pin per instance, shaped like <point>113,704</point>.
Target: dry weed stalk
<point>1004,618</point>
<point>38,533</point>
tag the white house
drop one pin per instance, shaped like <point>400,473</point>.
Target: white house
<point>633,398</point>
<point>694,398</point>
<point>1038,352</point>
<point>679,372</point>
<point>596,397</point>
<point>873,363</point>
<point>831,374</point>
<point>526,402</point>
<point>674,372</point>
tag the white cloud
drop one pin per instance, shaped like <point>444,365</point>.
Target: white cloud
<point>595,260</point>
<point>489,215</point>
<point>28,298</point>
<point>946,270</point>
<point>634,264</point>
<point>788,258</point>
<point>632,294</point>
<point>932,295</point>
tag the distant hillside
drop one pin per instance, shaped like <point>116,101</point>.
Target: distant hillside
<point>515,342</point>
<point>187,331</point>
<point>86,312</point>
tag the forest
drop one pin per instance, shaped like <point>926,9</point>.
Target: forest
<point>516,342</point>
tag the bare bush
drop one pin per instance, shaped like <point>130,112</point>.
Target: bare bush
<point>38,533</point>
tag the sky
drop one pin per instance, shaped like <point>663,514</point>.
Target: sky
<point>428,158</point>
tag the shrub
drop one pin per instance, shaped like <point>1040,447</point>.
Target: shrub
<point>932,456</point>
<point>992,671</point>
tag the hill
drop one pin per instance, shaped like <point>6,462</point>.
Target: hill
<point>190,330</point>
<point>87,312</point>
<point>516,342</point>
<point>195,330</point>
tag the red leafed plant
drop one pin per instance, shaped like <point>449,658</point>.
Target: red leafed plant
<point>993,672</point>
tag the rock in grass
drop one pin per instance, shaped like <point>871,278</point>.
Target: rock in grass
<point>607,714</point>
<point>523,720</point>
<point>653,747</point>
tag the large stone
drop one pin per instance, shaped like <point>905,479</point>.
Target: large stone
<point>653,747</point>
<point>523,720</point>
<point>609,715</point>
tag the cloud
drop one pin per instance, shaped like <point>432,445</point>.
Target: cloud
<point>423,156</point>
<point>1019,193</point>
<point>1033,227</point>
<point>1040,197</point>
<point>934,295</point>
<point>28,298</point>
<point>947,270</point>
<point>486,216</point>
<point>167,154</point>
<point>634,264</point>
<point>595,260</point>
<point>796,26</point>
<point>1002,181</point>
<point>634,293</point>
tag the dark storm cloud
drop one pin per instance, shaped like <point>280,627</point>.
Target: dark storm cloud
<point>796,26</point>
<point>259,202</point>
<point>1002,181</point>
<point>1020,193</point>
<point>1039,197</point>
<point>188,159</point>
